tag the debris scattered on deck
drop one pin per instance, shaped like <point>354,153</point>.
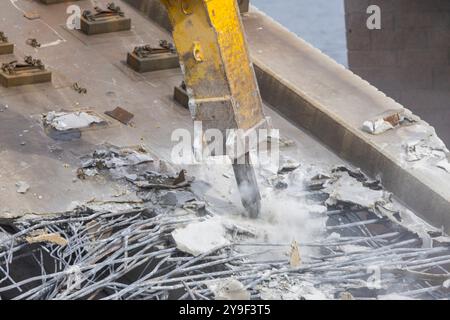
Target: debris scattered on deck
<point>121,115</point>
<point>22,187</point>
<point>388,121</point>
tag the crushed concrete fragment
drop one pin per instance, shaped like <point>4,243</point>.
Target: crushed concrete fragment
<point>288,165</point>
<point>389,120</point>
<point>22,187</point>
<point>429,148</point>
<point>201,237</point>
<point>377,126</point>
<point>344,188</point>
<point>229,289</point>
<point>63,121</point>
<point>446,284</point>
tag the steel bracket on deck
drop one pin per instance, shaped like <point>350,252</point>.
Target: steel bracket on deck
<point>31,71</point>
<point>147,58</point>
<point>107,20</point>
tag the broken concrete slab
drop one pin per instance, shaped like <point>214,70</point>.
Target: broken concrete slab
<point>344,188</point>
<point>201,237</point>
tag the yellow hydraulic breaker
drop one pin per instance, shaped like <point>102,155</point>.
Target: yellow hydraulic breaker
<point>219,76</point>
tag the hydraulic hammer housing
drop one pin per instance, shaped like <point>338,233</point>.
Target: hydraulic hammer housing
<point>219,76</point>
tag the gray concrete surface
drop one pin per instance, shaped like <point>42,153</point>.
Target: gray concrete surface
<point>97,63</point>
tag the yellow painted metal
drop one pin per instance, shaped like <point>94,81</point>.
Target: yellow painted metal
<point>219,75</point>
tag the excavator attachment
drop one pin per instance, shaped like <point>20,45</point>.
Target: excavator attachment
<point>219,76</point>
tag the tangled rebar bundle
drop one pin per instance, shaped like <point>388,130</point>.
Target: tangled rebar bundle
<point>128,251</point>
<point>131,254</point>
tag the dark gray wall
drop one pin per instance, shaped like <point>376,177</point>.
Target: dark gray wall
<point>409,58</point>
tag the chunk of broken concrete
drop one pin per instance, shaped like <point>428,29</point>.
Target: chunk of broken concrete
<point>347,189</point>
<point>388,120</point>
<point>288,165</point>
<point>176,198</point>
<point>430,147</point>
<point>201,237</point>
<point>22,187</point>
<point>229,289</point>
<point>376,126</point>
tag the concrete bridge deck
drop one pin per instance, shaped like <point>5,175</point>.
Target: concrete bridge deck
<point>296,80</point>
